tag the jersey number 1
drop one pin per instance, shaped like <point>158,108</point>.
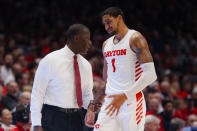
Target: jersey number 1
<point>113,64</point>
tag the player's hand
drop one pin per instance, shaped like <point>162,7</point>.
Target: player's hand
<point>89,118</point>
<point>116,103</point>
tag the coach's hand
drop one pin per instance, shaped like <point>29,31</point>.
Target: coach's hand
<point>116,103</point>
<point>37,128</point>
<point>89,118</point>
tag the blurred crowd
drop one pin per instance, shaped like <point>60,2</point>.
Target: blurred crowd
<point>31,29</point>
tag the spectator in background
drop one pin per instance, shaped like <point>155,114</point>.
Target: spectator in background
<point>153,110</point>
<point>186,90</point>
<point>176,124</point>
<point>25,79</point>
<point>153,106</point>
<point>165,89</point>
<point>152,93</point>
<point>6,70</point>
<point>179,108</point>
<point>194,124</point>
<point>10,100</point>
<point>194,94</point>
<point>6,120</point>
<point>175,86</point>
<point>191,119</point>
<point>2,51</point>
<point>17,52</point>
<point>11,45</point>
<point>154,86</point>
<point>191,122</point>
<point>23,62</point>
<point>190,107</point>
<point>22,118</point>
<point>152,123</point>
<point>167,114</point>
<point>17,69</point>
<point>24,98</point>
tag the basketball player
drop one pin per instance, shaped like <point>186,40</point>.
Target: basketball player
<point>130,68</point>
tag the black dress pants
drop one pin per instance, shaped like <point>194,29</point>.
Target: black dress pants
<point>55,120</point>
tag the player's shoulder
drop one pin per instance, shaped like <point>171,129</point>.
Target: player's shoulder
<point>107,41</point>
<point>134,34</point>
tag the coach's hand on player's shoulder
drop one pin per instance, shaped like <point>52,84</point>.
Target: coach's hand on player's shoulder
<point>89,118</point>
<point>116,103</point>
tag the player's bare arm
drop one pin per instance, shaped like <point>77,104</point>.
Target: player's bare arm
<point>139,45</point>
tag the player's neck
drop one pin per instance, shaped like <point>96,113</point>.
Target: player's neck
<point>122,31</point>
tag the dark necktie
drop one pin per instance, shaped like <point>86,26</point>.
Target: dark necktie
<point>78,82</point>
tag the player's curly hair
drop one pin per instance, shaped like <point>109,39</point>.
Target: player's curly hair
<point>114,12</point>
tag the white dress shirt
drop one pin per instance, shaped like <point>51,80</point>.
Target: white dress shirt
<point>54,82</point>
<point>7,128</point>
<point>7,75</point>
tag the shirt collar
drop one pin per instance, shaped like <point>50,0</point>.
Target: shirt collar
<point>68,51</point>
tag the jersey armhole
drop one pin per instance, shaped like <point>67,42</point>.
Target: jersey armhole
<point>132,32</point>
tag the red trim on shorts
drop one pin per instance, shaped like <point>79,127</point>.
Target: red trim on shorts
<point>138,74</point>
<point>139,116</point>
<point>138,107</point>
<point>140,102</point>
<point>139,111</point>
<point>138,69</point>
<point>139,96</point>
